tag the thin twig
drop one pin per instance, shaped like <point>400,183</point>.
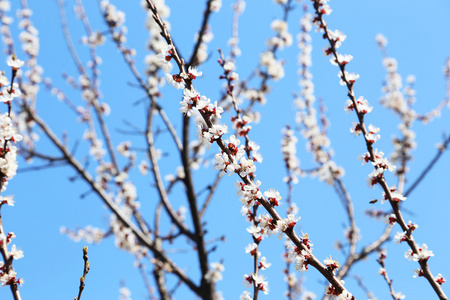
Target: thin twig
<point>143,239</point>
<point>86,269</point>
<point>428,168</point>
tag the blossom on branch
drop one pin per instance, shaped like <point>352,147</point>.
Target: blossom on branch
<point>224,164</point>
<point>395,196</point>
<point>400,237</point>
<point>250,194</point>
<point>252,249</point>
<point>9,278</point>
<point>362,106</point>
<point>390,219</point>
<point>260,283</point>
<point>176,80</point>
<point>263,264</point>
<point>331,264</point>
<point>273,197</point>
<point>439,279</point>
<point>347,77</point>
<point>371,135</point>
<point>423,253</point>
<point>14,62</point>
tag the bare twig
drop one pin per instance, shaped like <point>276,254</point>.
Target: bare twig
<point>85,272</point>
<point>431,164</point>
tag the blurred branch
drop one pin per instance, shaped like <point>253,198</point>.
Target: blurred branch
<point>193,61</point>
<point>157,176</point>
<point>68,37</point>
<point>212,189</point>
<point>142,238</point>
<point>431,164</point>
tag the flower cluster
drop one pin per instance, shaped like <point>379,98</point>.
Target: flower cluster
<point>234,161</point>
<point>300,257</point>
<point>362,106</point>
<point>29,37</point>
<point>331,264</point>
<point>287,223</point>
<point>7,91</point>
<point>241,125</point>
<point>89,234</point>
<point>418,273</point>
<point>202,53</point>
<point>216,5</point>
<point>273,197</point>
<point>215,273</point>
<point>268,226</point>
<point>8,130</point>
<point>289,150</point>
<point>400,237</point>
<point>301,260</point>
<point>398,296</point>
<point>395,195</point>
<point>124,237</point>
<point>114,17</point>
<point>423,253</point>
<point>8,159</point>
<point>393,98</point>
<point>314,131</point>
<point>255,96</point>
<point>252,249</point>
<point>249,193</point>
<point>207,136</point>
<point>439,278</point>
<point>283,37</point>
<point>256,280</point>
<point>274,67</point>
<point>380,166</point>
<point>9,278</point>
<point>345,295</point>
<point>246,294</point>
<point>192,99</point>
<point>124,293</point>
<point>95,39</point>
<point>158,45</point>
<point>400,102</point>
<point>390,219</point>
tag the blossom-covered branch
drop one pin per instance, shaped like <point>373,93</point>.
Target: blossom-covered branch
<point>213,133</point>
<point>370,134</point>
<point>8,168</point>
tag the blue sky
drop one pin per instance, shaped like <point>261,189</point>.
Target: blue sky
<point>47,200</point>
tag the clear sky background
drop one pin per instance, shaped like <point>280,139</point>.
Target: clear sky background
<point>417,32</point>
